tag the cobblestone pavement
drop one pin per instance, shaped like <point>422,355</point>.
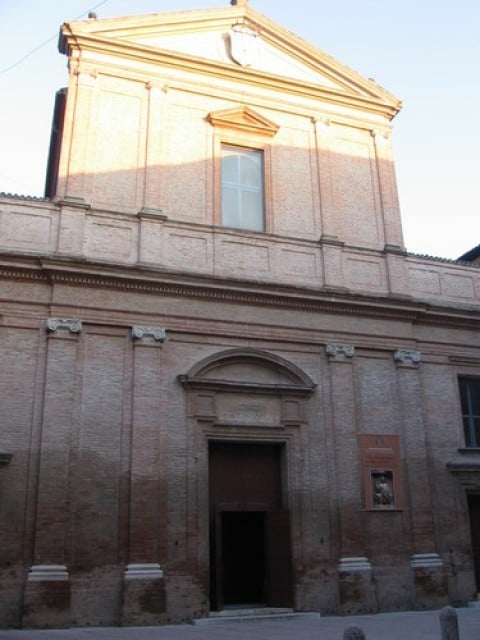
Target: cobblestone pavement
<point>405,625</point>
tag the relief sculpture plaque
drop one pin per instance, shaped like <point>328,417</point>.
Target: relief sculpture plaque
<point>382,480</point>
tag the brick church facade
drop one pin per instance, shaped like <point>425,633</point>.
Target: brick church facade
<point>224,379</point>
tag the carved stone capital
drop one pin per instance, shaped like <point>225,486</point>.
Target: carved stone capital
<point>339,351</point>
<point>407,358</point>
<point>157,333</point>
<point>73,326</point>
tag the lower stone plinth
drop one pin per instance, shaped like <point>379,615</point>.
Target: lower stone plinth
<point>429,581</point>
<point>46,601</point>
<point>144,598</point>
<point>357,588</point>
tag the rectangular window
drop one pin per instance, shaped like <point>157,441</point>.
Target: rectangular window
<point>242,188</point>
<point>470,399</point>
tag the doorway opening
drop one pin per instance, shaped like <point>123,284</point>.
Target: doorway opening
<point>250,548</point>
<point>243,563</point>
<point>474,510</point>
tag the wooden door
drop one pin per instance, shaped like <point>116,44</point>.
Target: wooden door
<point>250,548</point>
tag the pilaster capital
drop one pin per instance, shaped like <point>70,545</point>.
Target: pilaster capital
<point>321,121</point>
<point>157,333</point>
<point>73,326</point>
<point>407,358</point>
<point>339,351</point>
<point>380,135</point>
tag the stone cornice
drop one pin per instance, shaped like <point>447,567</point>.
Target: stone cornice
<point>224,71</point>
<point>171,283</point>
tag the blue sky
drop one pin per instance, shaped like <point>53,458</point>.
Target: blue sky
<point>425,53</point>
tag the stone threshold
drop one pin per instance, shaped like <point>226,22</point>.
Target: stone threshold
<point>241,613</point>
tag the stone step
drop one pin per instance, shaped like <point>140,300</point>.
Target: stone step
<point>252,613</point>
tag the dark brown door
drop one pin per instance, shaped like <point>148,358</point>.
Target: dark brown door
<point>474,508</point>
<point>250,548</point>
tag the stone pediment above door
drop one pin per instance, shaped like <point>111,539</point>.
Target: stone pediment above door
<point>247,387</point>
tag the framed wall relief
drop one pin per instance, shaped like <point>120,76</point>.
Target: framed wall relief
<point>382,478</point>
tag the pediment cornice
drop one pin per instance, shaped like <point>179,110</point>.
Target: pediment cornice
<point>243,119</point>
<point>122,37</point>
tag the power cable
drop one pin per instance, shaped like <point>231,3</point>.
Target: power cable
<point>38,47</point>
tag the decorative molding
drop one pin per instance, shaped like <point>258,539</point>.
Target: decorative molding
<point>74,326</point>
<point>145,571</point>
<point>395,248</point>
<point>405,357</point>
<point>47,573</point>
<point>347,565</point>
<point>336,351</point>
<point>466,359</point>
<point>154,214</point>
<point>73,202</point>
<point>326,238</point>
<point>426,561</point>
<point>157,333</point>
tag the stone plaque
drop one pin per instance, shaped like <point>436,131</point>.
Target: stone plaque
<point>248,410</point>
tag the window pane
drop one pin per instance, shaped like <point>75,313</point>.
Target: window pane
<point>464,395</point>
<point>251,169</point>
<point>242,188</point>
<point>470,396</point>
<point>230,216</point>
<point>470,400</point>
<point>252,211</point>
<point>229,166</point>
<point>472,431</point>
<point>476,429</point>
<point>469,434</point>
<point>474,389</point>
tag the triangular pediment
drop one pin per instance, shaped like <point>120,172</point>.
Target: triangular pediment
<point>234,40</point>
<point>243,119</point>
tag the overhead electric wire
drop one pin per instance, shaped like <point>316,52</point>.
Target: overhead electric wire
<point>35,49</point>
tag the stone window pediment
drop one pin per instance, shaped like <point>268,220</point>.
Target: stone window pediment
<point>243,119</point>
